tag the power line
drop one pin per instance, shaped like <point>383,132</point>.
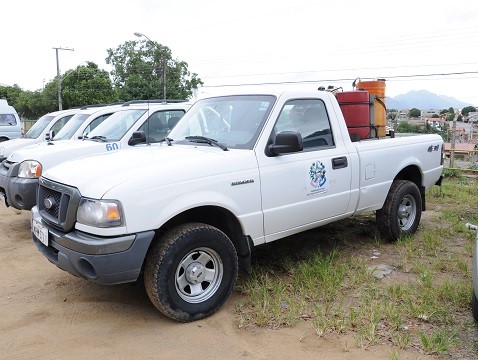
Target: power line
<point>343,79</point>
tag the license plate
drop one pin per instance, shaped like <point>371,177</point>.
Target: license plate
<point>41,232</point>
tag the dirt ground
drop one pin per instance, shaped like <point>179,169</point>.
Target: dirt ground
<point>49,314</point>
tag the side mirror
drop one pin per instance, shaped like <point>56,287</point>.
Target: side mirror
<point>50,135</point>
<point>138,137</point>
<point>286,142</point>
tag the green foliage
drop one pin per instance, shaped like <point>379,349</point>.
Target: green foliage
<point>450,117</point>
<point>434,116</point>
<point>138,72</point>
<point>406,127</point>
<point>455,173</point>
<point>86,85</point>
<point>414,112</point>
<point>467,109</point>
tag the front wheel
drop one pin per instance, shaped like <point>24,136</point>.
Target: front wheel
<point>401,213</point>
<point>190,272</point>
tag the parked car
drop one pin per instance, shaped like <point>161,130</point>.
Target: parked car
<point>474,298</point>
<point>85,120</point>
<point>10,124</point>
<point>40,131</point>
<point>19,173</point>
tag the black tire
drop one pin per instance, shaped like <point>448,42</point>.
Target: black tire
<point>401,212</point>
<point>474,306</point>
<point>175,277</point>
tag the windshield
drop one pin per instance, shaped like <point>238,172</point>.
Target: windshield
<point>40,125</point>
<point>117,125</point>
<point>234,121</point>
<point>71,126</point>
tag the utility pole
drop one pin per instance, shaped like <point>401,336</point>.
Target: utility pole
<point>60,105</point>
<point>452,149</point>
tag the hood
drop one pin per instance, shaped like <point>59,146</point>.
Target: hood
<point>145,166</point>
<point>58,151</point>
<point>10,146</point>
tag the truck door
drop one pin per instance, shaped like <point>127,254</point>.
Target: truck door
<point>300,190</point>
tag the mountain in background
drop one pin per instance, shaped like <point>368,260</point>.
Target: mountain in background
<point>423,100</point>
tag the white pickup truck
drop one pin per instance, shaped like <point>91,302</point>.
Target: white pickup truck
<point>39,132</point>
<point>19,173</point>
<point>236,172</point>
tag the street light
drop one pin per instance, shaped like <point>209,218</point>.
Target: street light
<point>138,34</point>
<point>60,105</point>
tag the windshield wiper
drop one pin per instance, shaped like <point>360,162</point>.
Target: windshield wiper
<point>97,137</point>
<point>206,140</point>
<point>168,140</point>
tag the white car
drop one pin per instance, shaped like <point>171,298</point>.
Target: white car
<point>40,131</point>
<point>475,273</point>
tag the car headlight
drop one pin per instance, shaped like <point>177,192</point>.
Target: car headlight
<point>29,169</point>
<point>2,151</point>
<point>100,213</point>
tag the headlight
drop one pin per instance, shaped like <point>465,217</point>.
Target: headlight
<point>29,169</point>
<point>100,213</point>
<point>2,151</point>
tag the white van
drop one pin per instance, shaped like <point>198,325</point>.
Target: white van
<point>10,124</point>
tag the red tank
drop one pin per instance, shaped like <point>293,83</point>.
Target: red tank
<point>356,107</point>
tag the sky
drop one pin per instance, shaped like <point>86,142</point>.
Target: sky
<point>300,43</point>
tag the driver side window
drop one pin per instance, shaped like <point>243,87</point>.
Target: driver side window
<point>308,117</point>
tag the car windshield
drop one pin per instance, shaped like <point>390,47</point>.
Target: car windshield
<point>117,125</point>
<point>233,121</point>
<point>70,127</point>
<point>40,125</point>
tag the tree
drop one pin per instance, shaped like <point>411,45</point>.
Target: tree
<point>11,94</point>
<point>414,112</point>
<point>467,109</point>
<point>406,127</point>
<point>138,71</point>
<point>85,85</point>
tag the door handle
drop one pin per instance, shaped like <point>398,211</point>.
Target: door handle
<point>339,162</point>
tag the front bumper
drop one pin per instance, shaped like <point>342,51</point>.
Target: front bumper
<point>21,193</point>
<point>107,261</point>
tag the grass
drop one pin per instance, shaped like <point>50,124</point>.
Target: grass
<point>324,278</point>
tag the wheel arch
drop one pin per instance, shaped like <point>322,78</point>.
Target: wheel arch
<point>413,173</point>
<point>223,220</point>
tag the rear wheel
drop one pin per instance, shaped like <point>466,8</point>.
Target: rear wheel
<point>474,306</point>
<point>191,271</point>
<point>401,212</point>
